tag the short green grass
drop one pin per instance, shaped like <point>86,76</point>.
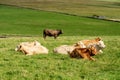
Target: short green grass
<point>19,21</point>
<point>110,9</point>
<point>26,22</point>
<point>111,0</point>
<point>17,66</point>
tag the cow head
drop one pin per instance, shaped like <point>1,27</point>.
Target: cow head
<point>98,39</point>
<point>60,31</point>
<point>18,48</point>
<point>101,44</point>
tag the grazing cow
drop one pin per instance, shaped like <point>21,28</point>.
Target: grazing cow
<point>97,42</point>
<point>30,48</point>
<point>63,49</point>
<point>84,53</point>
<point>51,33</point>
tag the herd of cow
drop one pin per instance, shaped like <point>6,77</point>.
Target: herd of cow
<point>82,49</point>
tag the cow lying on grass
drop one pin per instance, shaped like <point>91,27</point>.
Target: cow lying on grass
<point>34,43</point>
<point>97,42</point>
<point>51,33</point>
<point>63,49</point>
<point>84,53</point>
<point>30,48</point>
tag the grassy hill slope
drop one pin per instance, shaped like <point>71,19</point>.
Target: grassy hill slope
<point>111,0</point>
<point>19,21</point>
<point>77,7</point>
<point>24,22</point>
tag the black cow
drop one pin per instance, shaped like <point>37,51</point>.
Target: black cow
<point>51,33</point>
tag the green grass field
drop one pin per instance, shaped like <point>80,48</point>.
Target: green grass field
<point>19,22</point>
<point>107,8</point>
<point>111,0</point>
<point>16,66</point>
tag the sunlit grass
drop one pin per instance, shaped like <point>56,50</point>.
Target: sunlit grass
<point>27,22</point>
<point>17,66</point>
<point>108,8</point>
<point>17,23</point>
<point>111,0</point>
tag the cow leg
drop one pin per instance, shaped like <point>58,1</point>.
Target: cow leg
<point>55,36</point>
<point>87,56</point>
<point>100,51</point>
<point>44,36</point>
<point>90,58</point>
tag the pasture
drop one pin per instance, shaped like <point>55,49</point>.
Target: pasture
<point>111,0</point>
<point>18,23</point>
<point>107,8</point>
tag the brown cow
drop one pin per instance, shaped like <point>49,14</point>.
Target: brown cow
<point>51,33</point>
<point>85,53</point>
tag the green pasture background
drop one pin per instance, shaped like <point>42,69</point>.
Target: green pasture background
<point>18,23</point>
<point>107,8</point>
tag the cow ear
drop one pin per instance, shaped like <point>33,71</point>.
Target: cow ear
<point>98,39</point>
<point>20,46</point>
<point>76,44</point>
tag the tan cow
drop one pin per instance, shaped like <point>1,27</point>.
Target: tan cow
<point>97,42</point>
<point>30,48</point>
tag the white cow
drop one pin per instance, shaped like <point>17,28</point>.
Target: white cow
<point>30,48</point>
<point>64,49</point>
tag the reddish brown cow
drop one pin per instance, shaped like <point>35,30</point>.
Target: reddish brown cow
<point>51,33</point>
<point>84,53</point>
